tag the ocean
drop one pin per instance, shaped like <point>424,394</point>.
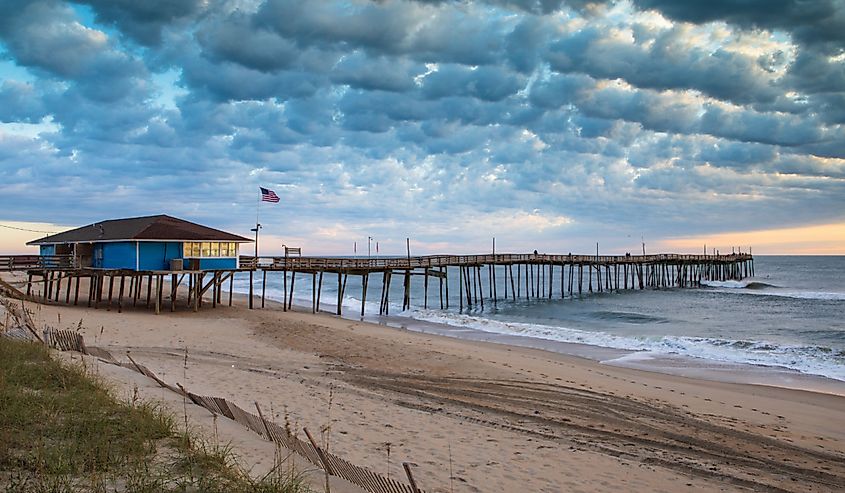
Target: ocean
<point>784,324</point>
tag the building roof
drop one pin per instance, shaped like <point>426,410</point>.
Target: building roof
<point>160,227</point>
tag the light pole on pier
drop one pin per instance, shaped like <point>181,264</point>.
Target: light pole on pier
<point>256,228</point>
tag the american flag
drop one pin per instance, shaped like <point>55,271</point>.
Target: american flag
<point>268,195</point>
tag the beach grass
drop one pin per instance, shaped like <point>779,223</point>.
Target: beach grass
<point>62,430</point>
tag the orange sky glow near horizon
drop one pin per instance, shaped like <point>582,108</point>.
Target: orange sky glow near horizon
<point>826,239</point>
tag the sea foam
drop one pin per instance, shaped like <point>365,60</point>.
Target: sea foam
<point>814,360</point>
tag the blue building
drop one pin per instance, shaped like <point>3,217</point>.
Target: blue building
<point>146,243</point>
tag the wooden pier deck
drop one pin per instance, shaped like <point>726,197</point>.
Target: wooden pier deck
<point>490,278</point>
<point>534,274</point>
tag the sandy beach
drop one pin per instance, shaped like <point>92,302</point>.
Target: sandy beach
<point>476,416</point>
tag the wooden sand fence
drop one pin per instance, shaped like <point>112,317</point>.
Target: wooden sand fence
<point>333,465</point>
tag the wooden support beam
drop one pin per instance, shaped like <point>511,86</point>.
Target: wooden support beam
<point>562,281</point>
<point>215,284</point>
<point>580,278</point>
<point>67,290</point>
<point>284,290</point>
<point>204,287</point>
<point>510,272</point>
<point>290,295</point>
<point>263,286</point>
<point>319,290</point>
<point>158,294</point>
<point>529,277</point>
<point>460,288</point>
<point>490,281</point>
<point>425,289</point>
<point>339,292</point>
<point>527,271</point>
<point>364,281</point>
<point>387,293</point>
<point>92,285</point>
<point>495,290</point>
<point>111,290</point>
<point>120,294</point>
<point>480,285</point>
<point>406,298</point>
<point>231,284</point>
<point>441,277</point>
<point>446,282</point>
<point>133,289</point>
<point>251,275</point>
<point>149,288</point>
<point>58,285</point>
<point>174,285</point>
<point>100,285</point>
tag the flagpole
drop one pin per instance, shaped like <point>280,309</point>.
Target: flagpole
<point>257,225</point>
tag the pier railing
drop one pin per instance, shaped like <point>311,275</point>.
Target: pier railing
<point>26,262</point>
<point>385,263</point>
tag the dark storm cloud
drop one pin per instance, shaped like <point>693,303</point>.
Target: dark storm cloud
<point>360,71</point>
<point>811,22</point>
<point>45,36</point>
<point>234,38</point>
<point>357,25</point>
<point>664,63</point>
<point>143,20</point>
<point>816,26</point>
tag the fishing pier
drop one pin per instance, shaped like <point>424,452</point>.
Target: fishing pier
<point>485,278</point>
<point>492,278</point>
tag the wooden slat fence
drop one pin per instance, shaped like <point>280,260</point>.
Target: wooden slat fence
<point>65,340</point>
<point>68,340</point>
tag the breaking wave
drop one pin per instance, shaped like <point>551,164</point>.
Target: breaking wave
<point>758,288</point>
<point>814,360</point>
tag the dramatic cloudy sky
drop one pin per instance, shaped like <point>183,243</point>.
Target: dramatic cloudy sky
<point>549,124</point>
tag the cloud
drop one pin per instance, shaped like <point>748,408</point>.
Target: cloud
<point>19,102</point>
<point>417,118</point>
<point>144,21</point>
<point>817,22</point>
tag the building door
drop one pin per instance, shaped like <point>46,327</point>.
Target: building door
<point>98,256</point>
<point>85,255</point>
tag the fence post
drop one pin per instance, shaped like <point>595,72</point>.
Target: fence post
<point>264,422</point>
<point>410,477</point>
<point>323,458</point>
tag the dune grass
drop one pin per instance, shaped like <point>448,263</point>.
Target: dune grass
<point>61,430</point>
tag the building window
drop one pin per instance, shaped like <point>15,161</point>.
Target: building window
<point>210,249</point>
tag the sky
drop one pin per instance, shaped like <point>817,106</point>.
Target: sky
<point>547,124</point>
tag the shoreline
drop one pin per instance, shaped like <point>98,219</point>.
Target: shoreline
<point>664,363</point>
